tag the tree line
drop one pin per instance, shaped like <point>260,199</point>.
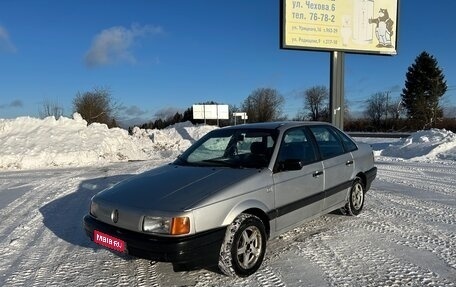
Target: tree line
<point>419,105</point>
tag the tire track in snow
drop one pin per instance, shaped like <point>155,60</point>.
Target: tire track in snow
<point>419,230</point>
<point>25,236</point>
<point>43,190</point>
<point>267,278</point>
<point>428,178</point>
<point>25,265</point>
<point>367,265</point>
<point>426,224</point>
<point>413,210</point>
<point>419,182</point>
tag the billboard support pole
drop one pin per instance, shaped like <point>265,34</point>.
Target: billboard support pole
<point>336,97</point>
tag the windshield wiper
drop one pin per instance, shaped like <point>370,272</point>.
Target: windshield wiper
<point>221,162</point>
<point>216,160</point>
<point>181,161</point>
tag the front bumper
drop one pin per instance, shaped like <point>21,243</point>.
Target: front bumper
<point>201,249</point>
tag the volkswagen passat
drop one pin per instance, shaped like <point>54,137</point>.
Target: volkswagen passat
<point>230,192</point>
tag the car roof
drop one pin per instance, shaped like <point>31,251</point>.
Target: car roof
<point>276,125</point>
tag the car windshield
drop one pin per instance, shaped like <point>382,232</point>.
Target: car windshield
<point>235,148</point>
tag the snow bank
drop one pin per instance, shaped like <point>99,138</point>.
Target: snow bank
<point>27,143</point>
<point>424,146</point>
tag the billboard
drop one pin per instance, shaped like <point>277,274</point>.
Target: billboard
<point>354,26</point>
<point>210,112</point>
<point>223,112</point>
<point>198,112</point>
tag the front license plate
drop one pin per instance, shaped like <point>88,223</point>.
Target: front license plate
<point>108,241</point>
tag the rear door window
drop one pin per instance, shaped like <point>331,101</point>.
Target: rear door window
<point>328,141</point>
<point>349,145</point>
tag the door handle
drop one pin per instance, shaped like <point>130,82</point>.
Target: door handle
<point>349,162</point>
<point>317,173</point>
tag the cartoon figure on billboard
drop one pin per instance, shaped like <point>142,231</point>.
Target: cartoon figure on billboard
<point>384,29</point>
<point>363,11</point>
<point>346,30</point>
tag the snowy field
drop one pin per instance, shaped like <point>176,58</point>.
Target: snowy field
<point>49,170</point>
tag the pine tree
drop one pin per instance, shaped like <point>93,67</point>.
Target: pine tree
<point>424,86</point>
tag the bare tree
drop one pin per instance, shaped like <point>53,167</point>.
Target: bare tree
<point>316,102</point>
<point>376,108</point>
<point>263,105</point>
<point>96,106</point>
<point>347,111</point>
<point>396,109</point>
<point>50,108</point>
<point>450,111</point>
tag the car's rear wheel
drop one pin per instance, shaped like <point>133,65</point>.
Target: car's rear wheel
<point>243,249</point>
<point>356,198</point>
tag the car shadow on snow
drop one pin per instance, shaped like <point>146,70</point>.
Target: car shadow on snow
<point>63,216</point>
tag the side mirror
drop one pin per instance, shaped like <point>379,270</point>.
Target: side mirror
<point>290,164</point>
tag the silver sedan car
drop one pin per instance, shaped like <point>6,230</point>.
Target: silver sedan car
<point>231,191</point>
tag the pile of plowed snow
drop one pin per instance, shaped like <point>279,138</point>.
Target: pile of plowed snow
<point>427,145</point>
<point>28,143</point>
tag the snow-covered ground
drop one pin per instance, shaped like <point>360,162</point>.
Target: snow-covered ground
<point>49,169</point>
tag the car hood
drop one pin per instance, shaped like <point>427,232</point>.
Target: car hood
<point>172,187</point>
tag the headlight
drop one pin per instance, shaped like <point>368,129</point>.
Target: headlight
<point>167,225</point>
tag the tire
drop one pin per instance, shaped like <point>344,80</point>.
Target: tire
<point>244,246</point>
<point>356,198</point>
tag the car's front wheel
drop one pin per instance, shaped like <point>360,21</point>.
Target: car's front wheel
<point>243,248</point>
<point>356,198</point>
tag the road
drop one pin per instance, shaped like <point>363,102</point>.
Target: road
<point>406,235</point>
